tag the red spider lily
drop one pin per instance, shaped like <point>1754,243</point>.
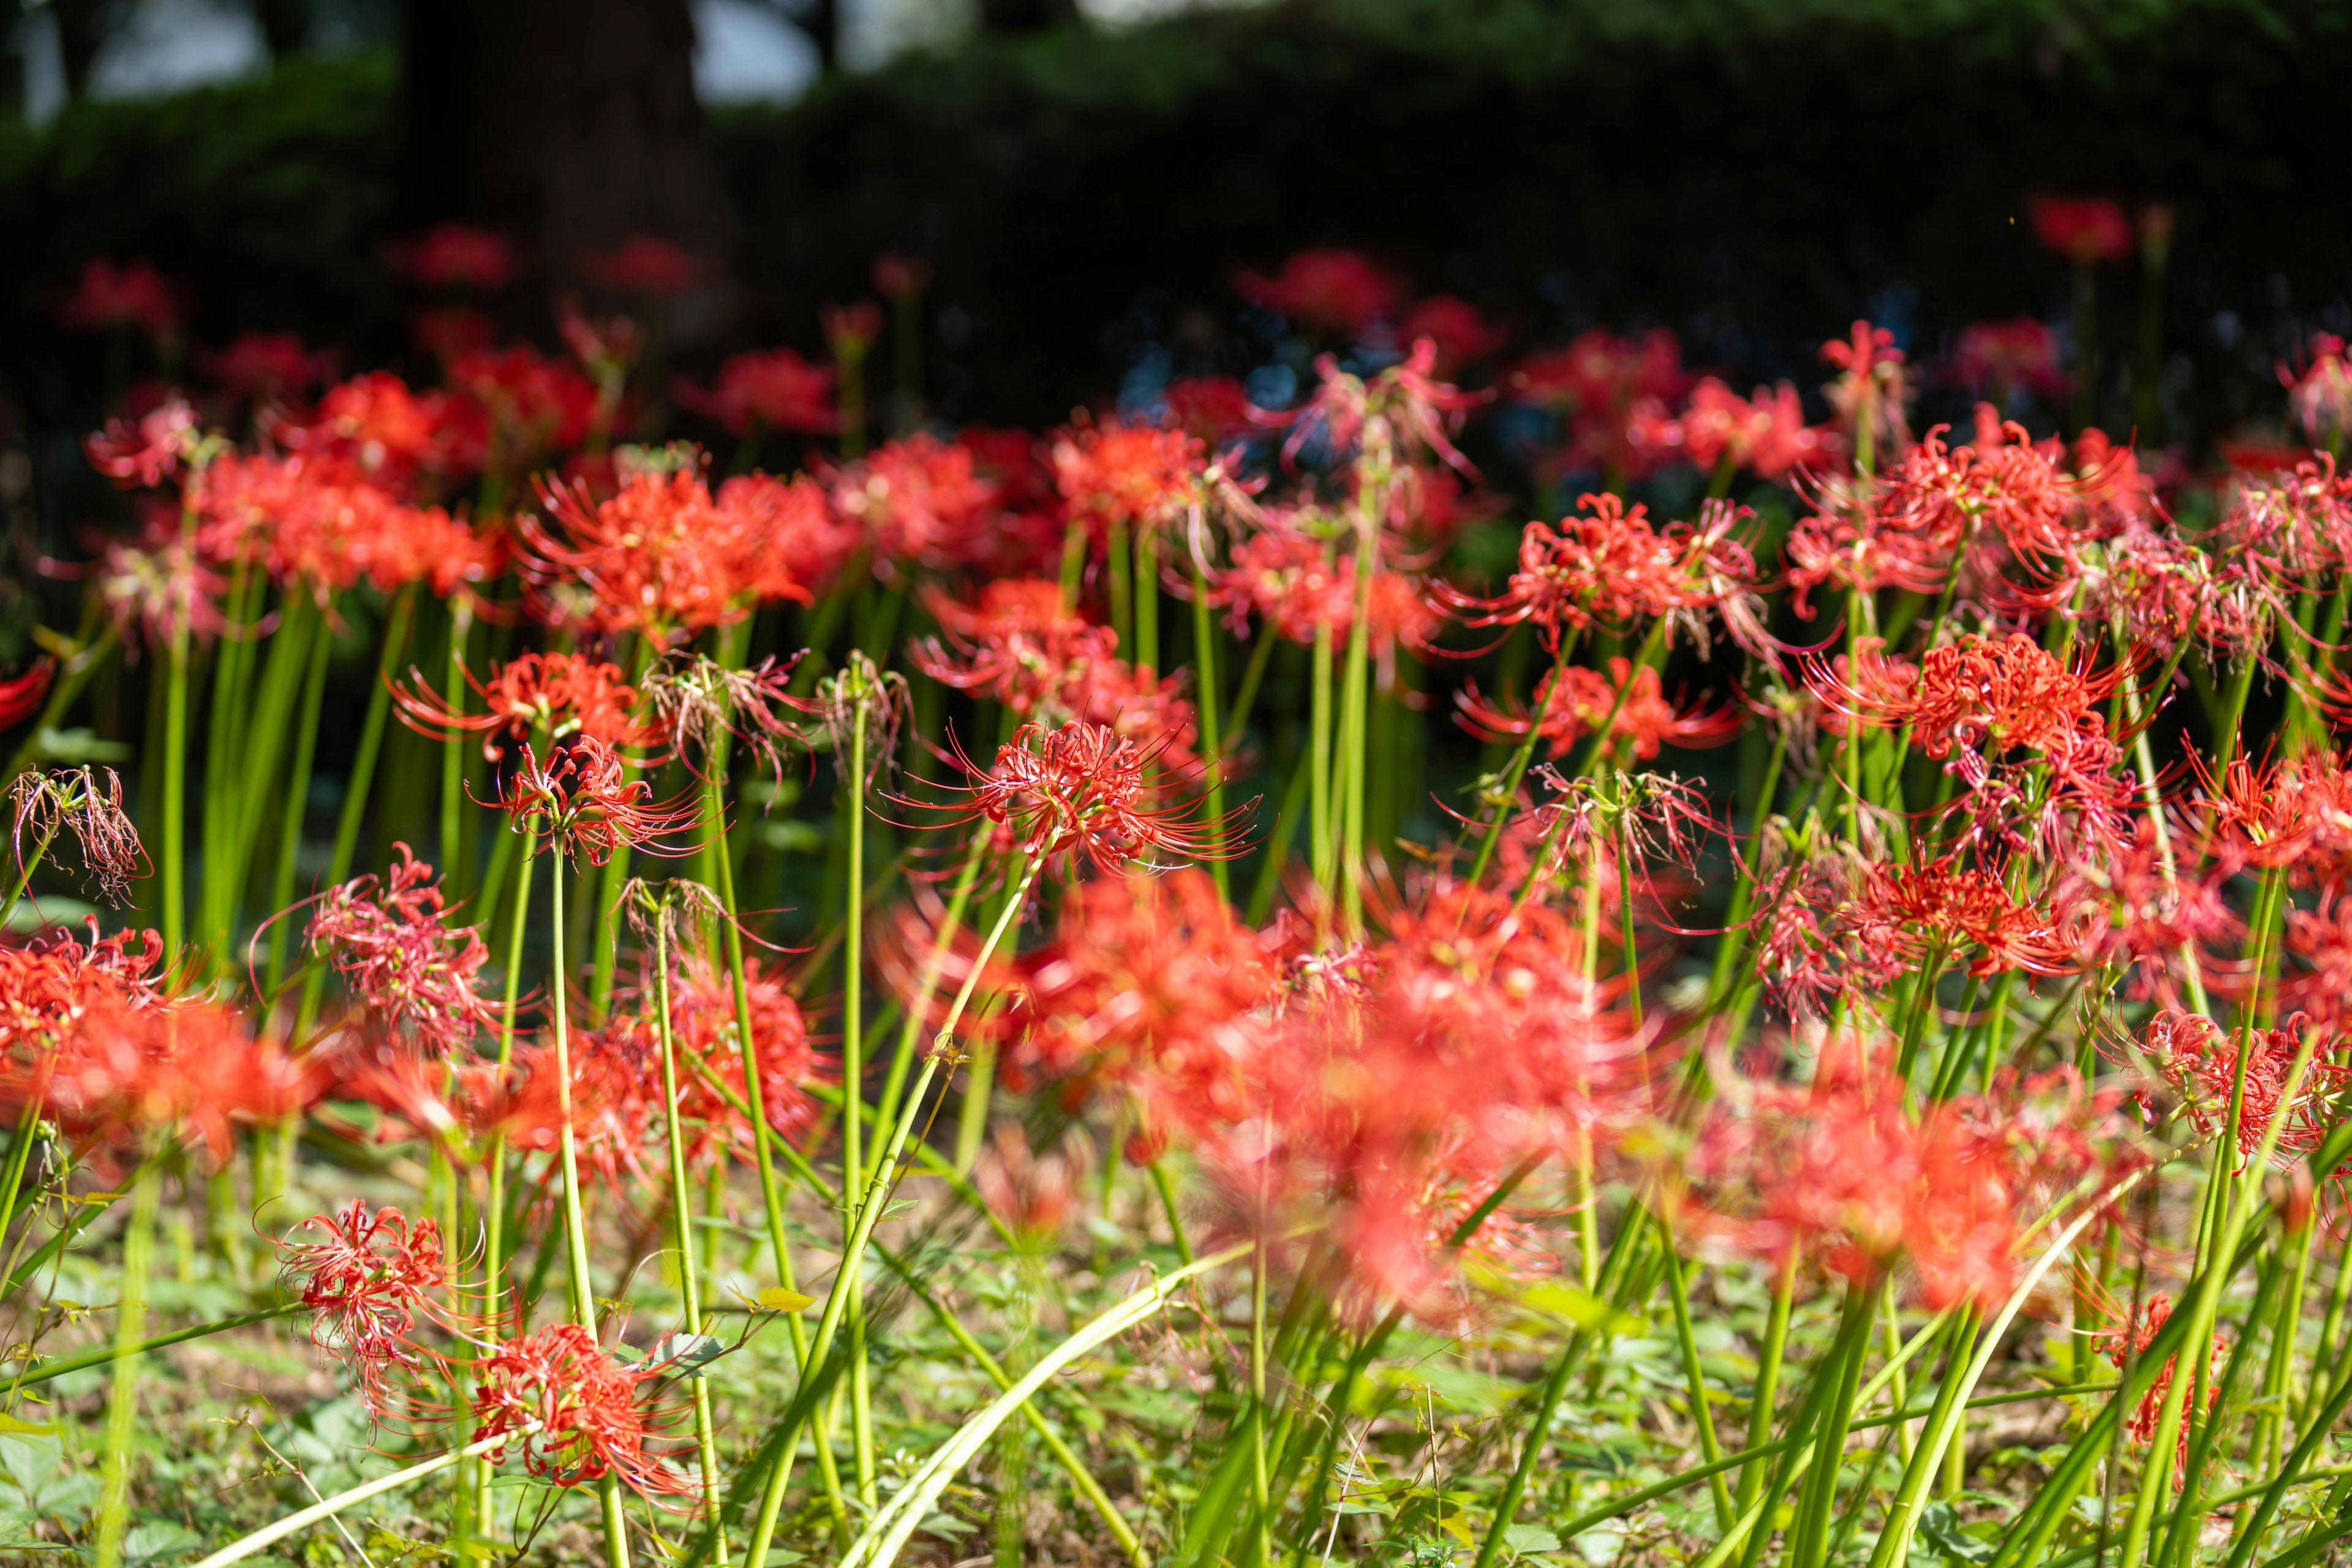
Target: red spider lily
<point>457,255</point>
<point>124,1070</point>
<point>1575,701</point>
<point>1975,701</point>
<point>2291,523</point>
<point>73,799</point>
<point>1325,290</point>
<point>1147,988</point>
<point>774,389</point>
<point>2320,398</point>
<point>1136,476</point>
<point>157,594</point>
<point>918,500</point>
<point>2126,1341</point>
<point>1844,1172</point>
<point>1959,906</point>
<point>563,694</point>
<point>2294,815</point>
<point>2005,358</point>
<point>573,1410</point>
<point>265,364</point>
<point>145,454</point>
<point>643,264</point>
<point>1213,407</point>
<point>2199,1062</point>
<point>364,1286</point>
<point>50,982</point>
<point>1869,392</point>
<point>305,521</point>
<point>21,695</point>
<point>1396,417</point>
<point>2086,231</point>
<point>1821,937</point>
<point>662,558</point>
<point>384,429</point>
<point>794,520</point>
<point>530,404</point>
<point>1082,788</point>
<point>1022,646</point>
<point>1606,564</point>
<point>1297,584</point>
<point>1944,498</point>
<point>2146,909</point>
<point>583,800</point>
<point>2156,590</point>
<point>850,330</point>
<point>1766,433</point>
<point>2321,939</point>
<point>1461,335</point>
<point>615,1095</point>
<point>390,939</point>
<point>1032,1193</point>
<point>896,277</point>
<point>1612,390</point>
<point>133,294</point>
<point>456,1103</point>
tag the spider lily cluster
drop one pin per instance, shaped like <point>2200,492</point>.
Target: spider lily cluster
<point>1968,1028</point>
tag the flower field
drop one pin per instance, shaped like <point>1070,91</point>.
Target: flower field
<point>612,965</point>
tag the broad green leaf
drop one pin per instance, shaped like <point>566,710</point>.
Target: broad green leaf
<point>776,1299</point>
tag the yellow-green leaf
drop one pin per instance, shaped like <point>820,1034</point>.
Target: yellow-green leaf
<point>776,1299</point>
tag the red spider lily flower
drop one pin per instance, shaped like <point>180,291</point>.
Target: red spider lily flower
<point>73,799</point>
<point>124,1070</point>
<point>386,430</point>
<point>1844,1172</point>
<point>563,694</point>
<point>1944,498</point>
<point>2320,398</point>
<point>896,277</point>
<point>457,255</point>
<point>21,695</point>
<point>1297,584</point>
<point>2295,814</point>
<point>2291,522</point>
<point>643,264</point>
<point>792,524</point>
<point>456,1103</point>
<point>1462,334</point>
<point>1084,788</point>
<point>850,330</point>
<point>1821,937</point>
<point>1602,375</point>
<point>133,294</point>
<point>1138,476</point>
<point>2128,1340</point>
<point>1021,646</point>
<point>154,594</point>
<point>616,1094</point>
<point>2006,358</point>
<point>1871,385</point>
<point>573,1408</point>
<point>662,558</point>
<point>1574,701</point>
<point>50,982</point>
<point>2145,908</point>
<point>303,521</point>
<point>391,941</point>
<point>1974,699</point>
<point>583,800</point>
<point>919,500</point>
<point>145,454</point>
<point>1147,988</point>
<point>2321,941</point>
<point>2199,1061</point>
<point>1398,417</point>
<point>2086,231</point>
<point>775,389</point>
<point>1032,1193</point>
<point>266,365</point>
<point>1605,565</point>
<point>2156,590</point>
<point>1339,292</point>
<point>364,1286</point>
<point>531,405</point>
<point>1215,408</point>
<point>1766,433</point>
<point>1959,907</point>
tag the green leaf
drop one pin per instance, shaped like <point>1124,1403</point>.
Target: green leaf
<point>1580,1306</point>
<point>1942,1530</point>
<point>16,1429</point>
<point>776,1299</point>
<point>686,1355</point>
<point>1520,1540</point>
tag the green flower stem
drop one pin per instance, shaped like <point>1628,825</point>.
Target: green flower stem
<point>222,718</point>
<point>1166,1187</point>
<point>1678,1291</point>
<point>1768,1376</point>
<point>130,1338</point>
<point>1319,841</point>
<point>2190,1512</point>
<point>1146,599</point>
<point>298,793</point>
<point>1531,1446</point>
<point>2152,797</point>
<point>355,793</point>
<point>1356,697</point>
<point>614,875</point>
<point>1212,751</point>
<point>875,1198</point>
<point>25,867</point>
<point>453,749</point>
<point>1253,677</point>
<point>261,752</point>
<point>575,1226</point>
<point>1809,1541</point>
<point>1120,582</point>
<point>175,807</point>
<point>853,1085</point>
<point>105,1355</point>
<point>682,1226</point>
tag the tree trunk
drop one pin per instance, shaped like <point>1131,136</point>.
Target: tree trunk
<point>571,125</point>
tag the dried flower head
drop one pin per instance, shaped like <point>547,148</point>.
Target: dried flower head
<point>73,799</point>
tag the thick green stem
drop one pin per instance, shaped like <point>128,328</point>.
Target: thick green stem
<point>130,1334</point>
<point>681,1209</point>
<point>298,793</point>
